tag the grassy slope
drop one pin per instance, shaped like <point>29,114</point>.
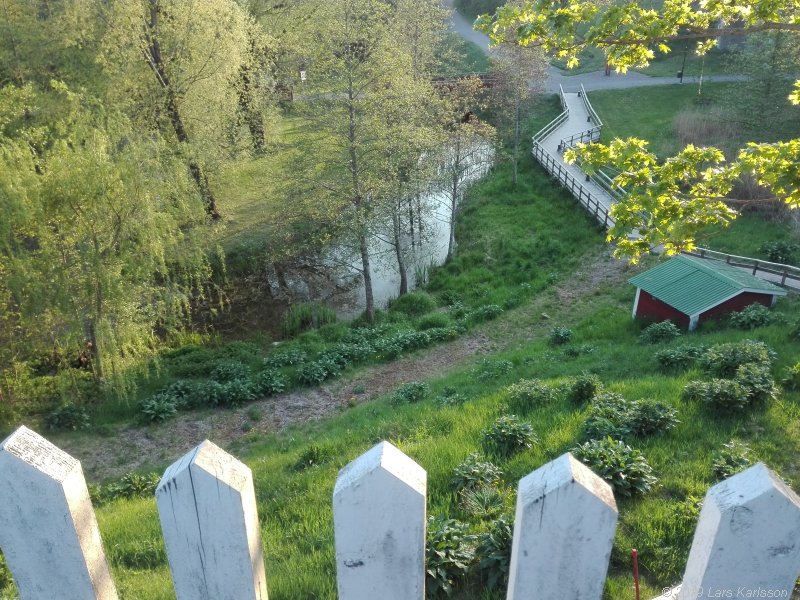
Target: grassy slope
<point>294,505</point>
<point>649,113</point>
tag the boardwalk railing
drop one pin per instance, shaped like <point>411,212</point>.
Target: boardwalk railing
<point>777,270</point>
<point>555,123</point>
<point>564,528</point>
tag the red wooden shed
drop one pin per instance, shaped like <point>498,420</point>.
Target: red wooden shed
<point>688,290</point>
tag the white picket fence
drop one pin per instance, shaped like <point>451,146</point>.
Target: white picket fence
<point>747,543</point>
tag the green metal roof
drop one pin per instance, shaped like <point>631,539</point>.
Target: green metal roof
<point>693,285</point>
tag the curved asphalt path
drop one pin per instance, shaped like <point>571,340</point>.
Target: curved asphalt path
<point>596,80</point>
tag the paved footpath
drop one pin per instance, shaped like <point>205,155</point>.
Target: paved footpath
<point>596,80</point>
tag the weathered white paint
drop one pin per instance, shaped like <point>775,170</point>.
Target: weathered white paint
<point>207,506</point>
<point>636,301</point>
<point>563,531</point>
<point>379,524</point>
<point>747,542</point>
<point>48,531</point>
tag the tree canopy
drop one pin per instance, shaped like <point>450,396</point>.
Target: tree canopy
<point>668,203</point>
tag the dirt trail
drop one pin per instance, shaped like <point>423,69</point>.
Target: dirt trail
<point>135,447</point>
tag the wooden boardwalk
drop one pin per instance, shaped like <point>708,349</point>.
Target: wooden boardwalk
<point>580,123</point>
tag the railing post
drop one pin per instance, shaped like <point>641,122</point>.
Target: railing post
<point>379,526</point>
<point>746,542</point>
<point>207,506</point>
<point>563,531</point>
<point>755,267</point>
<point>48,530</point>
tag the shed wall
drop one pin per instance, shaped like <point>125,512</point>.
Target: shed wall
<point>651,307</point>
<point>736,303</point>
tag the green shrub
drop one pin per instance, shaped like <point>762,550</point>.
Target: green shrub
<point>625,469</point>
<point>724,395</point>
<point>780,252</point>
<point>493,553</point>
<point>678,358</point>
<point>230,370</point>
<point>613,416</point>
<point>657,333</point>
<point>722,360</point>
<point>583,388</point>
<point>131,485</point>
<point>414,304</point>
<point>443,334</point>
<point>236,393</point>
<point>487,312</point>
<point>408,393</point>
<point>312,456</point>
<point>474,472</point>
<point>755,315</point>
<point>289,357</point>
<point>206,393</point>
<point>450,298</point>
<point>483,502</point>
<point>270,382</point>
<point>559,336</point>
<point>182,391</point>
<point>69,417</point>
<point>437,320</point>
<point>732,458</point>
<point>449,554</point>
<point>158,408</point>
<point>528,393</point>
<point>450,397</point>
<point>311,373</point>
<point>491,369</point>
<point>508,435</point>
<point>302,317</point>
<point>791,378</point>
<point>758,382</point>
<point>6,581</point>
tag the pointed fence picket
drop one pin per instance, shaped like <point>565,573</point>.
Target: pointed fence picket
<point>747,542</point>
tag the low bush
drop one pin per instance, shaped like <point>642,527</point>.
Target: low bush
<point>302,317</point>
<point>484,502</point>
<point>409,393</point>
<point>559,336</point>
<point>613,416</point>
<point>69,417</point>
<point>722,360</point>
<point>678,358</point>
<point>449,554</point>
<point>6,581</point>
<point>289,357</point>
<point>487,312</point>
<point>491,369</point>
<point>414,304</point>
<point>474,472</point>
<point>724,395</point>
<point>270,382</point>
<point>758,382</point>
<point>625,469</point>
<point>182,391</point>
<point>657,333</point>
<point>311,373</point>
<point>780,252</point>
<point>312,456</point>
<point>529,393</point>
<point>206,394</point>
<point>583,388</point>
<point>158,408</point>
<point>130,485</point>
<point>230,370</point>
<point>755,315</point>
<point>732,458</point>
<point>437,320</point>
<point>507,436</point>
<point>493,553</point>
<point>450,298</point>
<point>236,393</point>
<point>791,378</point>
<point>450,397</point>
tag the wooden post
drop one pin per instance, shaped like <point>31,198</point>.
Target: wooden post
<point>207,506</point>
<point>379,525</point>
<point>48,530</point>
<point>746,542</point>
<point>563,531</point>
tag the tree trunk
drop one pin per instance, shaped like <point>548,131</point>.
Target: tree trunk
<point>367,274</point>
<point>251,115</point>
<point>156,63</point>
<point>456,173</point>
<point>95,351</point>
<point>398,249</point>
<point>515,156</point>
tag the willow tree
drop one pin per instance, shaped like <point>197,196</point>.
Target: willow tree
<point>668,202</point>
<point>99,236</point>
<point>177,65</point>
